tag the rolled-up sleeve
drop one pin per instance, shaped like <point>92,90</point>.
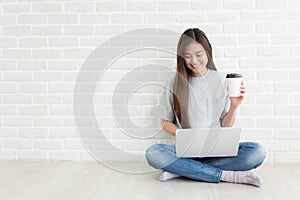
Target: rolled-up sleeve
<point>164,109</point>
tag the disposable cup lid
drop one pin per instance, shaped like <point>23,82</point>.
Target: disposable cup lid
<point>234,75</point>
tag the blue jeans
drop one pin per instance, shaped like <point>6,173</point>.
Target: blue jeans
<point>163,156</point>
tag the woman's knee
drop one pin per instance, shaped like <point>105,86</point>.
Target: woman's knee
<point>260,153</point>
<point>152,154</point>
<point>160,155</point>
<point>257,154</point>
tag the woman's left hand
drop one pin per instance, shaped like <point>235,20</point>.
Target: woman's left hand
<point>236,101</point>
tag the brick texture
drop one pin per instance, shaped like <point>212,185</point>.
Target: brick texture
<point>45,44</point>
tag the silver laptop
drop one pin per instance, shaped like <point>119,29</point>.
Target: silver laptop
<point>207,142</point>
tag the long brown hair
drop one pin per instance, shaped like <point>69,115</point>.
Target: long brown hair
<point>183,74</point>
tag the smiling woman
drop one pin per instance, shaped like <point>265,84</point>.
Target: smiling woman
<point>194,58</point>
<point>199,100</point>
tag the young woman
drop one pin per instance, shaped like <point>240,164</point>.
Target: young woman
<point>196,98</point>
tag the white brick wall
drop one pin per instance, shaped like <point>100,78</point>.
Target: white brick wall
<point>44,44</point>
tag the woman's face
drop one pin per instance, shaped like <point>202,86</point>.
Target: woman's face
<point>195,58</point>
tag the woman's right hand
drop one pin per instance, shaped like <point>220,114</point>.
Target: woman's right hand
<point>169,127</point>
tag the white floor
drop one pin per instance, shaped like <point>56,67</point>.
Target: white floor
<point>78,180</point>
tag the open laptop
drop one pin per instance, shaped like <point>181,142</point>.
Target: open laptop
<point>207,142</point>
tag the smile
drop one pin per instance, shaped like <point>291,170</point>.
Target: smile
<point>195,66</point>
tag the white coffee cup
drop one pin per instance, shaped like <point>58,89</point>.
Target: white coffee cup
<point>234,82</point>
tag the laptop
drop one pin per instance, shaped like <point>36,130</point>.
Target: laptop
<point>207,142</point>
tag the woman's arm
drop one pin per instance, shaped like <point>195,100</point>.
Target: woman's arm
<point>170,127</point>
<point>229,118</point>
